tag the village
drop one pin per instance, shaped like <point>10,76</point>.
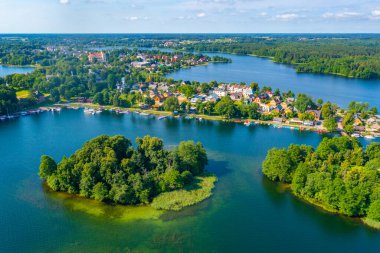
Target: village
<point>269,107</point>
<point>273,108</point>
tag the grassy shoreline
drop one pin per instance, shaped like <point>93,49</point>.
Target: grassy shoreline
<point>194,193</point>
<point>199,190</point>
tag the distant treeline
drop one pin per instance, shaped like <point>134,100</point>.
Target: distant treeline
<point>353,57</point>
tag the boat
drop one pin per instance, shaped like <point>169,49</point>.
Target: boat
<point>99,111</point>
<point>144,114</point>
<point>355,135</point>
<point>370,137</point>
<point>162,117</point>
<point>247,123</point>
<point>89,111</point>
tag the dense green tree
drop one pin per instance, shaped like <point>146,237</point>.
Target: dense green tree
<point>338,175</point>
<point>225,107</point>
<point>110,169</point>
<point>100,192</point>
<point>278,165</point>
<point>193,157</point>
<point>330,124</point>
<point>303,102</point>
<point>171,104</point>
<point>47,167</point>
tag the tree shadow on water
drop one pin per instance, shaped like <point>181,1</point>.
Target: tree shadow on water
<point>289,205</point>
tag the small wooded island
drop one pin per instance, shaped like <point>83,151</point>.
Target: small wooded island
<point>111,170</point>
<point>338,176</point>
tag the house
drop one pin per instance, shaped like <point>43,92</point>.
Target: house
<point>220,92</point>
<point>163,87</point>
<point>168,94</point>
<point>98,56</point>
<point>359,128</point>
<point>247,92</point>
<point>153,87</point>
<point>236,96</point>
<point>257,100</point>
<point>138,64</point>
<point>264,107</point>
<point>158,98</point>
<point>296,121</point>
<point>212,97</point>
<point>197,99</point>
<point>358,121</point>
<point>308,123</point>
<point>40,97</point>
<point>278,119</point>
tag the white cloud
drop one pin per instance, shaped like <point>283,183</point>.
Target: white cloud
<point>133,18</point>
<point>375,14</point>
<point>64,1</point>
<point>201,15</point>
<point>287,16</point>
<point>342,15</point>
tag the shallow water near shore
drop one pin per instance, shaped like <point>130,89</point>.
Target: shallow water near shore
<point>246,213</point>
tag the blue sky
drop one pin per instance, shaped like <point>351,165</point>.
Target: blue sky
<point>188,16</point>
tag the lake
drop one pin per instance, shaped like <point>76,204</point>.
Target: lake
<point>337,89</point>
<point>8,70</point>
<point>247,213</point>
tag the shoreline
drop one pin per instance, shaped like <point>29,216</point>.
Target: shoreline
<point>309,201</point>
<point>293,65</point>
<point>318,128</point>
<point>200,117</point>
<point>201,189</point>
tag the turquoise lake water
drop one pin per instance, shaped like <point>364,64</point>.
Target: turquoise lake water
<point>246,213</point>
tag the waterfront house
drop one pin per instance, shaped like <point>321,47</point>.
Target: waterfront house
<point>308,123</point>
<point>278,119</point>
<point>296,121</point>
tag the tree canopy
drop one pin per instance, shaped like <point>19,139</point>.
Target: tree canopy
<point>110,169</point>
<point>339,174</point>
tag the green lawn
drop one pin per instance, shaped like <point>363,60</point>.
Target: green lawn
<point>23,94</point>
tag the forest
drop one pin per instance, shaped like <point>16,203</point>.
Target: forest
<point>110,169</point>
<point>339,175</point>
<point>346,55</point>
